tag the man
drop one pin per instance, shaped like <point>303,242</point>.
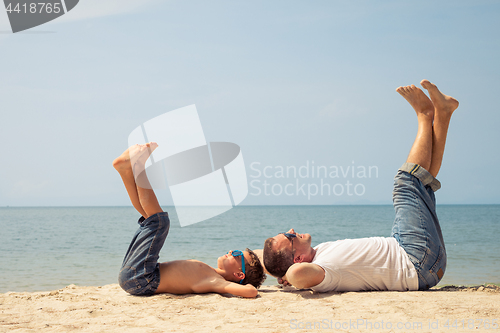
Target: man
<point>238,273</point>
<point>414,257</point>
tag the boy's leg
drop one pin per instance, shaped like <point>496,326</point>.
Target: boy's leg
<point>147,196</point>
<point>443,109</point>
<point>131,163</point>
<point>123,165</point>
<point>140,273</point>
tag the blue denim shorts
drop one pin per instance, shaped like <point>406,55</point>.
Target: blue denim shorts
<point>416,227</point>
<point>140,272</point>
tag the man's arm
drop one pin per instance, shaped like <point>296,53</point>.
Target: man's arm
<point>304,275</point>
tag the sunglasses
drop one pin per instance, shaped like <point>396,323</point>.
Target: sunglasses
<point>237,253</point>
<point>290,237</point>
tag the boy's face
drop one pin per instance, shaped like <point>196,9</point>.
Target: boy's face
<point>231,264</point>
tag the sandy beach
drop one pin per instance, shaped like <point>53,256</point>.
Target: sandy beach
<point>110,309</point>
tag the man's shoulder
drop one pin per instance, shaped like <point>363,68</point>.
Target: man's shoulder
<point>327,250</point>
<point>346,241</point>
<point>325,245</point>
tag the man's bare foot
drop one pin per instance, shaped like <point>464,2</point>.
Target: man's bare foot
<point>418,100</point>
<point>442,103</point>
<point>134,154</point>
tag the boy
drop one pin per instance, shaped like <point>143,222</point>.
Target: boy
<point>238,273</point>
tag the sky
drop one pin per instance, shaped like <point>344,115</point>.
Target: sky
<point>295,84</point>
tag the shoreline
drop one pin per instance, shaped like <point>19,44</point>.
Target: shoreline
<point>274,284</point>
<point>109,309</point>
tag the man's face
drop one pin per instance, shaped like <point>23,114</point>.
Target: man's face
<point>301,243</point>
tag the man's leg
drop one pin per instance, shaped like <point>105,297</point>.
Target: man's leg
<point>421,151</point>
<point>416,226</point>
<point>443,109</point>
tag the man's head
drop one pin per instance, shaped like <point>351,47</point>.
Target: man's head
<point>233,270</point>
<point>285,249</point>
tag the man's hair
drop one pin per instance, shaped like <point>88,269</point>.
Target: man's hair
<point>254,272</point>
<point>278,261</point>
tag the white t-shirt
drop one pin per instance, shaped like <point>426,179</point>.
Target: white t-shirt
<point>375,263</point>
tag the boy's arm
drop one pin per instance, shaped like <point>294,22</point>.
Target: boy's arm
<point>222,286</point>
<point>304,275</point>
<point>246,290</point>
<point>226,287</point>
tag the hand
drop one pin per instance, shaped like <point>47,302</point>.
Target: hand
<point>284,281</point>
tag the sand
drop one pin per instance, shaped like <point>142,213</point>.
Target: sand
<point>110,309</point>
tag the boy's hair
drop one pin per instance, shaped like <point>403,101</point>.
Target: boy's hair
<point>277,262</point>
<point>254,272</point>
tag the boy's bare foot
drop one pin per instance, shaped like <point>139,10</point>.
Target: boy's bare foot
<point>138,160</point>
<point>418,100</point>
<point>122,162</point>
<point>442,102</point>
<point>138,157</point>
<point>132,155</point>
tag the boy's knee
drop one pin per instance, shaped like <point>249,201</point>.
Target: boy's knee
<point>137,284</point>
<point>128,281</point>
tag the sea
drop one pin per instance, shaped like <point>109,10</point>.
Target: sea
<point>48,248</point>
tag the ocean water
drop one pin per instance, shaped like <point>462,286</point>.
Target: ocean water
<point>47,248</point>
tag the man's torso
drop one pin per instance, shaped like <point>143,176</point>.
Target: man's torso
<point>375,263</point>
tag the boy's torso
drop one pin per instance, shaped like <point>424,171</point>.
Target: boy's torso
<point>186,277</point>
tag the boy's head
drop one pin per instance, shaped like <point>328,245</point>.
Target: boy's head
<point>252,273</point>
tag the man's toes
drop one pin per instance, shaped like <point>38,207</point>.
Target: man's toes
<point>405,89</point>
<point>427,84</point>
<point>413,88</point>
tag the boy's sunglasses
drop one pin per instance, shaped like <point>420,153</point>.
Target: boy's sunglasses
<point>237,253</point>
